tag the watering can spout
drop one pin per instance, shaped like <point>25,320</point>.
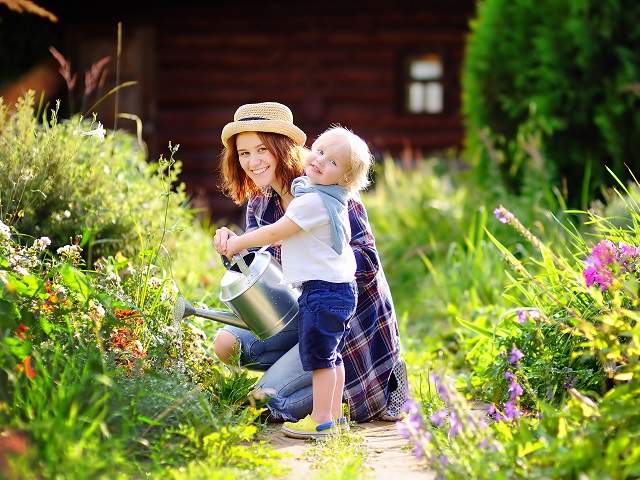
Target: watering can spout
<point>184,309</point>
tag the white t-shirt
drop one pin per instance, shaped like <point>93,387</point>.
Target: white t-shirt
<point>308,255</point>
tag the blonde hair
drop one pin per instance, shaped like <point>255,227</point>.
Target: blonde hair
<point>343,142</point>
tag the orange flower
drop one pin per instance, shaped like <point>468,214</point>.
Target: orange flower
<point>124,313</point>
<point>54,299</point>
<point>21,331</point>
<point>25,366</point>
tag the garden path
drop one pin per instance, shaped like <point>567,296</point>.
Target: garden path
<point>388,455</point>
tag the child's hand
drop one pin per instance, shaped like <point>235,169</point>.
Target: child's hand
<point>220,239</point>
<point>233,246</point>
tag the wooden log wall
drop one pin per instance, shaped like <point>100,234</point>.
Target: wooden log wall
<point>330,62</point>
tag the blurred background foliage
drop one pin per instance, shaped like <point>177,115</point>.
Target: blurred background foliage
<point>565,72</point>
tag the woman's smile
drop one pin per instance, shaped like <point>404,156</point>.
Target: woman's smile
<point>256,159</point>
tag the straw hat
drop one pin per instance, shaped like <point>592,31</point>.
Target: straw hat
<point>270,117</point>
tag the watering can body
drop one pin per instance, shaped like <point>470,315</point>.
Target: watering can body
<point>257,299</point>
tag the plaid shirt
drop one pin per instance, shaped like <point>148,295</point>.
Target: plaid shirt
<point>372,347</point>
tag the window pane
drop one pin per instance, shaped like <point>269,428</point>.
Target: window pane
<point>416,101</point>
<point>426,67</point>
<point>433,97</point>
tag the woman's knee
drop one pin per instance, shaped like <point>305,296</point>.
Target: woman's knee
<point>226,346</point>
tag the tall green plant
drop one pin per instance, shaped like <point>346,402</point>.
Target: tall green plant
<point>563,69</point>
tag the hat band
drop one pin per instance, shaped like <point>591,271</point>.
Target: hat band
<point>252,118</point>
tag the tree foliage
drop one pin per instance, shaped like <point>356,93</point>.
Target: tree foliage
<point>565,72</point>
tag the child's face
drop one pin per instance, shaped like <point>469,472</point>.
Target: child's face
<point>326,164</point>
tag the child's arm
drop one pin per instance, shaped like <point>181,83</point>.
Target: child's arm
<point>266,235</point>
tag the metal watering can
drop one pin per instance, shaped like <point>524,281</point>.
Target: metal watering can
<point>252,288</point>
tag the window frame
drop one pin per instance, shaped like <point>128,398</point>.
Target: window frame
<point>404,80</point>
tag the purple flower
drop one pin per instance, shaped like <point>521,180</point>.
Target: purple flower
<point>515,356</point>
<point>414,418</point>
<point>503,215</point>
<point>627,255</point>
<point>418,451</point>
<point>597,271</point>
<point>601,276</point>
<point>441,388</point>
<point>604,252</point>
<point>403,430</point>
<point>522,316</point>
<point>511,412</point>
<point>515,390</point>
<point>455,425</point>
<point>438,418</point>
<point>493,412</point>
<point>410,407</point>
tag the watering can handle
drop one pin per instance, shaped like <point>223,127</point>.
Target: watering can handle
<point>227,263</point>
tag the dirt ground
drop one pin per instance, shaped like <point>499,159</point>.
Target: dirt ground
<point>387,454</point>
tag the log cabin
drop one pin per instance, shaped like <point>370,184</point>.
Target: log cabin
<point>389,70</point>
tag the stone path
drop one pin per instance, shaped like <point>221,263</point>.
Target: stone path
<point>387,454</point>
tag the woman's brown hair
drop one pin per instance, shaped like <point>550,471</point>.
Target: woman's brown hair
<point>236,183</point>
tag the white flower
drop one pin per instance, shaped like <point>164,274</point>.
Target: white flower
<point>41,243</point>
<point>27,175</point>
<point>5,232</point>
<point>113,277</point>
<point>96,311</point>
<point>155,282</point>
<point>68,250</point>
<point>71,253</point>
<point>20,270</point>
<point>169,290</point>
<point>99,132</point>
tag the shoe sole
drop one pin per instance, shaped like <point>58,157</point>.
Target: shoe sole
<point>304,435</point>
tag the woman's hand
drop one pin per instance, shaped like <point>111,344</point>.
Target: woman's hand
<point>221,238</point>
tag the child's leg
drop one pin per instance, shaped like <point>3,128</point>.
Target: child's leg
<point>324,384</point>
<point>336,403</point>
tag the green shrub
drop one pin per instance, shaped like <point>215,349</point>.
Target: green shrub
<point>58,181</point>
<point>430,232</point>
<point>562,71</point>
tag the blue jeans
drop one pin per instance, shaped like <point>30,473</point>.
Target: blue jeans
<point>291,397</point>
<point>325,311</point>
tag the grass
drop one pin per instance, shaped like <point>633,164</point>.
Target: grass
<point>340,457</point>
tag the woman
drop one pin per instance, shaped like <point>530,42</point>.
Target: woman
<point>263,153</point>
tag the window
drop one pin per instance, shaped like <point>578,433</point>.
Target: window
<point>424,92</point>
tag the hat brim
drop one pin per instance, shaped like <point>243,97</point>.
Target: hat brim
<point>272,126</point>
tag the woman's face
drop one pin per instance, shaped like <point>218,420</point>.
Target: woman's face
<point>256,160</point>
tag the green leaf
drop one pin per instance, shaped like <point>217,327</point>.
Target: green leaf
<point>150,421</point>
<point>18,347</point>
<point>76,281</point>
<point>46,325</point>
<point>475,328</point>
<point>8,313</point>
<point>33,285</point>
